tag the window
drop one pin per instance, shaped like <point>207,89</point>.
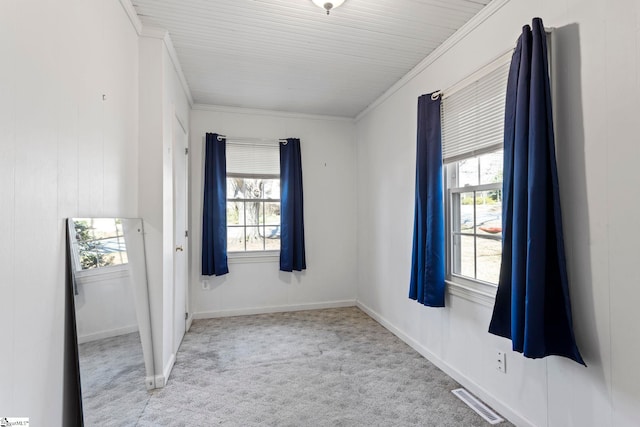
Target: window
<point>98,243</point>
<point>472,138</point>
<point>253,197</point>
<point>475,206</point>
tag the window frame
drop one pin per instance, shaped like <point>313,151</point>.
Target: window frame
<point>264,255</point>
<point>470,288</point>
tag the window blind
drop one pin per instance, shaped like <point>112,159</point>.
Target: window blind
<point>473,115</point>
<point>253,159</point>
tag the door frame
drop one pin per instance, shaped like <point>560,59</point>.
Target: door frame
<point>183,155</point>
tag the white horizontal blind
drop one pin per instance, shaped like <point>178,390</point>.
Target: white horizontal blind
<point>253,159</point>
<point>473,116</point>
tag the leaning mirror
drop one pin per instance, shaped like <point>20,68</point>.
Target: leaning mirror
<point>113,324</point>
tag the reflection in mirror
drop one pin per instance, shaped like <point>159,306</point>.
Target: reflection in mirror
<point>112,318</point>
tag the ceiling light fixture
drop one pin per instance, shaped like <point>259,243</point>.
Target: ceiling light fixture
<point>328,5</point>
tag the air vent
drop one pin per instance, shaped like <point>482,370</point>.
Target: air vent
<point>480,408</point>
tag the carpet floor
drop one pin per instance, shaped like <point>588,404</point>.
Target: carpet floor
<point>333,367</point>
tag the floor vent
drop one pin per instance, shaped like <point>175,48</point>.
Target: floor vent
<point>481,409</point>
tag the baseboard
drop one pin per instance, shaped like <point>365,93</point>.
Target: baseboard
<point>107,334</point>
<point>161,380</point>
<point>469,384</point>
<point>273,309</point>
<point>189,322</point>
<point>150,382</point>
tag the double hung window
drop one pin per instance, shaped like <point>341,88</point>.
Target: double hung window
<point>472,138</point>
<point>475,207</point>
<point>253,197</point>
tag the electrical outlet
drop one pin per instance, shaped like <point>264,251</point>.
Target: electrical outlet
<point>501,361</point>
<point>205,285</point>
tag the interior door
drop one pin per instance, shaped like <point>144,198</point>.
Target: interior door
<point>180,215</point>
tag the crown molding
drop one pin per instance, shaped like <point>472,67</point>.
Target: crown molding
<point>153,32</point>
<point>271,113</point>
<point>176,64</point>
<point>162,34</point>
<point>132,15</point>
<point>484,14</point>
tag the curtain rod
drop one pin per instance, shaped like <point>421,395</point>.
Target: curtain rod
<point>501,59</point>
<point>244,139</point>
<point>505,56</point>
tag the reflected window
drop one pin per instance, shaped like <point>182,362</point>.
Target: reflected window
<point>98,243</point>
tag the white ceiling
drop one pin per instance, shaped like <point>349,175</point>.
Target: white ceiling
<point>288,55</point>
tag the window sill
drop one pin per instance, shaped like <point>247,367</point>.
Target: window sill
<point>102,274</point>
<point>252,257</point>
<point>470,292</point>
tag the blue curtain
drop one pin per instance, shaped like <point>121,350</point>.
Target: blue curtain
<point>428,258</point>
<point>532,305</point>
<point>292,256</point>
<point>214,212</point>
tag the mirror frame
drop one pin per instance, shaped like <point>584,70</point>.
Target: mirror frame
<point>140,293</point>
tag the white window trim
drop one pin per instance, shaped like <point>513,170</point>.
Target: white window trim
<point>93,275</point>
<point>249,257</point>
<point>256,256</point>
<point>471,292</point>
<point>470,289</point>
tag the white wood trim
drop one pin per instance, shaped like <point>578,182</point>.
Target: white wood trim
<point>153,32</point>
<point>189,322</point>
<point>273,309</point>
<point>150,382</point>
<point>466,382</point>
<point>176,64</point>
<point>272,113</point>
<point>484,14</point>
<point>132,15</point>
<point>162,34</point>
<point>251,257</point>
<point>162,380</point>
<point>471,294</point>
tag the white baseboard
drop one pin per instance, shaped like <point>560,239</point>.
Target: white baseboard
<point>161,380</point>
<point>107,334</point>
<point>273,309</point>
<point>469,384</point>
<point>150,382</point>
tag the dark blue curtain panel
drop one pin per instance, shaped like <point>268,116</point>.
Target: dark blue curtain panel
<point>428,259</point>
<point>532,306</point>
<point>292,254</point>
<point>214,212</point>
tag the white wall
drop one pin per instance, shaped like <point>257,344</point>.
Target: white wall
<point>64,152</point>
<point>598,101</point>
<point>105,306</point>
<point>161,97</point>
<point>328,171</point>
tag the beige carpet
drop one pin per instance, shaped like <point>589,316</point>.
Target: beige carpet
<point>334,367</point>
